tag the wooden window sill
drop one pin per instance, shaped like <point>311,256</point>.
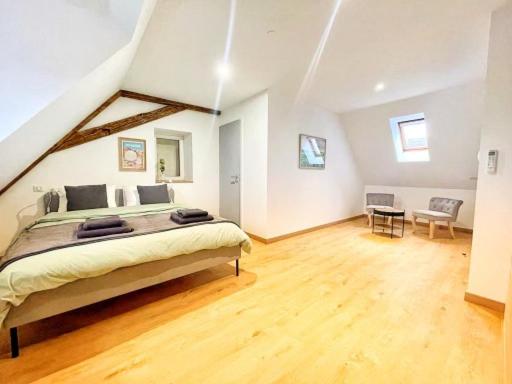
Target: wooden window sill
<point>175,181</point>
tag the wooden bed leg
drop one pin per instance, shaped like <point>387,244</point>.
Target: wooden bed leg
<point>15,346</point>
<point>237,269</point>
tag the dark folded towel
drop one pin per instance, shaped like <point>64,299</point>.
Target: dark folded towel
<point>83,234</point>
<point>191,213</point>
<point>106,222</point>
<point>187,220</point>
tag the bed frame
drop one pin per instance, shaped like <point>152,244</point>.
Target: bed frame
<point>80,293</point>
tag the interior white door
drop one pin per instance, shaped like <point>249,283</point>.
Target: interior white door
<point>229,170</point>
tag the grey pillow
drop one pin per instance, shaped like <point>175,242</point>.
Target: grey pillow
<point>86,197</point>
<point>51,202</point>
<point>153,194</point>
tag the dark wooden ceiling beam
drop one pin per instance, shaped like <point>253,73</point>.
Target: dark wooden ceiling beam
<point>159,100</point>
<point>78,127</point>
<point>77,136</point>
<point>117,126</point>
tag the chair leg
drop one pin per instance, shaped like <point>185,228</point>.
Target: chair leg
<point>413,224</point>
<point>369,220</point>
<point>450,227</point>
<point>432,230</point>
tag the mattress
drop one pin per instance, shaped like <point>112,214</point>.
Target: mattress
<point>54,268</point>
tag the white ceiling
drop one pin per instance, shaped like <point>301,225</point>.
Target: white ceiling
<point>47,46</point>
<point>412,46</point>
<point>43,52</point>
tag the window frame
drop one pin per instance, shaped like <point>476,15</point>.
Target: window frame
<point>410,156</point>
<point>181,155</point>
<point>402,136</point>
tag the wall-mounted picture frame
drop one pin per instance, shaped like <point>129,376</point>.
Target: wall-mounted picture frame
<point>132,154</point>
<point>312,152</point>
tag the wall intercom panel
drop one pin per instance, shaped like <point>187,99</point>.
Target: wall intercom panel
<point>492,161</point>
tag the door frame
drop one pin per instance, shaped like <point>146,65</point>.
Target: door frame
<point>241,175</point>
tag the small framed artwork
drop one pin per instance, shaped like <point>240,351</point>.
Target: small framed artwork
<point>312,152</point>
<point>132,154</point>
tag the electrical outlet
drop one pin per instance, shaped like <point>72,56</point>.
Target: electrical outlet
<point>37,188</point>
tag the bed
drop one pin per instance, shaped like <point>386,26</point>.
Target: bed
<point>44,273</point>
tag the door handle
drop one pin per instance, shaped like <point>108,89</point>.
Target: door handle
<point>235,179</point>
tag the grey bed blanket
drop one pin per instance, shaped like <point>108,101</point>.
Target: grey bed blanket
<point>37,240</point>
<point>47,255</point>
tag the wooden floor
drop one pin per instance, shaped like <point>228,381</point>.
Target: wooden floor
<point>338,305</point>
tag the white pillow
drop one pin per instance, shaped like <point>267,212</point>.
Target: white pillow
<point>63,202</point>
<point>111,196</point>
<point>131,196</point>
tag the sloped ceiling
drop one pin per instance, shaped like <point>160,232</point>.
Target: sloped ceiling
<point>413,47</point>
<point>454,117</point>
<point>47,46</point>
<point>81,96</point>
<point>186,40</point>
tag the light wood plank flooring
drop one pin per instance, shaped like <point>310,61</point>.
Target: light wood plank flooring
<point>338,305</point>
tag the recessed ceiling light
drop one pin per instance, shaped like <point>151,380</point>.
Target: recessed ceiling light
<point>223,70</point>
<point>379,87</point>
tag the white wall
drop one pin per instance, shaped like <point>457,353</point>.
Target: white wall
<point>277,197</point>
<point>97,162</point>
<point>410,198</point>
<point>303,198</point>
<point>492,245</point>
<point>453,116</point>
<point>253,114</point>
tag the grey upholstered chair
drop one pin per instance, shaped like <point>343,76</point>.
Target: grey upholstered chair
<point>378,200</point>
<point>439,209</point>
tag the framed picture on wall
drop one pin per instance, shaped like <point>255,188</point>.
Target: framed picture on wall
<point>312,152</point>
<point>132,154</point>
